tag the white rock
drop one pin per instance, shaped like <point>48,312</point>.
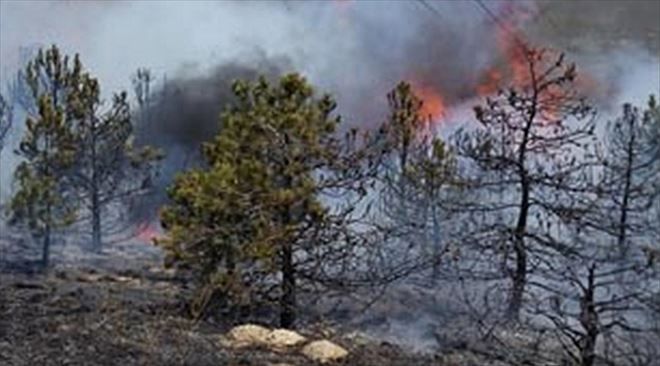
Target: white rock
<point>324,351</point>
<point>247,335</point>
<point>280,338</point>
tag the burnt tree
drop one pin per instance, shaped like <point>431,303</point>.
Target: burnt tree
<point>529,150</point>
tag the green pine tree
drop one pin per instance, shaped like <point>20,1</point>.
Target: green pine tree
<point>256,216</point>
<point>44,199</point>
<point>75,152</point>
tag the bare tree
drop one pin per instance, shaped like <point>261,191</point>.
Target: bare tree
<point>630,177</point>
<point>529,151</point>
<point>142,88</point>
<point>599,297</point>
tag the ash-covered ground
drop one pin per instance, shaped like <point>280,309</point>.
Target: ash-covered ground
<point>122,307</point>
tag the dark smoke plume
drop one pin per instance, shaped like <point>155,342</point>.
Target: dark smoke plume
<point>184,112</point>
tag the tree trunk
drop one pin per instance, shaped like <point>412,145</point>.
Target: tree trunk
<point>519,281</point>
<point>589,321</point>
<point>45,253</point>
<point>625,201</point>
<point>94,188</point>
<point>96,222</point>
<point>436,243</point>
<point>519,276</point>
<point>288,300</point>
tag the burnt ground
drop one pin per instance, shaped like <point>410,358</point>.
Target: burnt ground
<point>88,317</point>
<point>123,308</point>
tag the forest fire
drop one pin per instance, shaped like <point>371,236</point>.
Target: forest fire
<point>291,181</point>
<point>517,56</point>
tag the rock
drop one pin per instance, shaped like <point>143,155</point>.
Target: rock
<point>280,338</point>
<point>255,335</point>
<point>247,335</point>
<point>324,351</point>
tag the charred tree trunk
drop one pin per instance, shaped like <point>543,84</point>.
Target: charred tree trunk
<point>519,275</point>
<point>95,188</point>
<point>589,321</point>
<point>625,200</point>
<point>519,280</point>
<point>45,252</point>
<point>436,243</point>
<point>96,221</point>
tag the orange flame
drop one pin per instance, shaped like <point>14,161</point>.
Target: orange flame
<point>511,43</point>
<point>434,107</point>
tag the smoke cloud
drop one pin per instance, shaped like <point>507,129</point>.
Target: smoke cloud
<point>355,50</point>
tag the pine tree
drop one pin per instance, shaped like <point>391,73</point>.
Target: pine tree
<point>528,159</point>
<point>75,152</point>
<point>108,168</point>
<point>256,215</point>
<point>404,131</point>
<point>651,138</point>
<point>612,275</point>
<point>418,175</point>
<point>630,176</point>
<point>434,179</point>
<point>44,199</point>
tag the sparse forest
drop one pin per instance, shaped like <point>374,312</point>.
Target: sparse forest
<point>528,235</point>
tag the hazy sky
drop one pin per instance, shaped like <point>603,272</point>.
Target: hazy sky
<point>336,43</point>
<point>357,50</point>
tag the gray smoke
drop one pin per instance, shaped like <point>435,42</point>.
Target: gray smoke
<point>184,111</point>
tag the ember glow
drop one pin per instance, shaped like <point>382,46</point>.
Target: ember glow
<point>147,233</point>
